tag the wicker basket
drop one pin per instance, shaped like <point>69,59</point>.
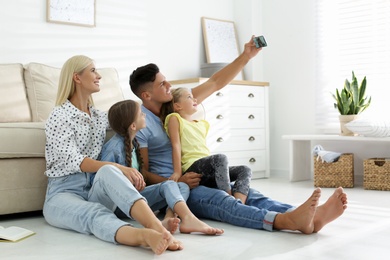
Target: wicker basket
<point>376,174</point>
<point>335,174</point>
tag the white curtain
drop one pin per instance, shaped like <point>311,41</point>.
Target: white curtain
<point>352,35</point>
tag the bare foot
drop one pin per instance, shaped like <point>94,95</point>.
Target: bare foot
<point>333,208</point>
<point>157,241</point>
<point>191,223</point>
<point>175,245</point>
<point>301,218</point>
<point>171,224</point>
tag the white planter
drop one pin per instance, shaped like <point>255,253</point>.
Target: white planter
<point>344,119</point>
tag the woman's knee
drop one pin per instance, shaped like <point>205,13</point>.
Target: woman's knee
<point>107,170</point>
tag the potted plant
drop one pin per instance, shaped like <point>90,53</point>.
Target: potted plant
<point>351,101</point>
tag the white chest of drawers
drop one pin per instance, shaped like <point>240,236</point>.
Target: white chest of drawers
<point>239,123</point>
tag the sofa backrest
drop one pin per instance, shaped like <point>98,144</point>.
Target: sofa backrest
<point>14,106</point>
<point>28,93</point>
<point>42,85</point>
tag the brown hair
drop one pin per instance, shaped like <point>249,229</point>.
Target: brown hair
<point>140,78</point>
<point>120,116</point>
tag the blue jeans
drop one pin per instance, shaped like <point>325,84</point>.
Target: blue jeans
<point>166,193</point>
<point>259,212</point>
<point>158,196</point>
<point>73,203</point>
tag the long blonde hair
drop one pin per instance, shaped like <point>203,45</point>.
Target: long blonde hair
<point>66,86</point>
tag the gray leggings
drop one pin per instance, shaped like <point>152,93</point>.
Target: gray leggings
<point>218,174</point>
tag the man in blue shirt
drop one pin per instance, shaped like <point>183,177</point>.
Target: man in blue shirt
<point>259,212</point>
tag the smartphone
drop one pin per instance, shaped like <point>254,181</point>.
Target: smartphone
<point>260,41</point>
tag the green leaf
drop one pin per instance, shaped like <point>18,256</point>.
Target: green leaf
<point>351,99</point>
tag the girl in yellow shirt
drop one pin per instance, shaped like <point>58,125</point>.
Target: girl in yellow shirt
<point>190,152</point>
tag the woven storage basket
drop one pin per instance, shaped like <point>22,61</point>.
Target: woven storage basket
<point>376,174</point>
<point>335,174</point>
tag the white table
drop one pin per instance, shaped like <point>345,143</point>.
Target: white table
<point>300,151</point>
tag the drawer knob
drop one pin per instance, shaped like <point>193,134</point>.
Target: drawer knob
<point>219,116</point>
<point>252,160</point>
<point>251,117</point>
<point>251,138</point>
<point>220,140</point>
<point>219,94</point>
<point>251,95</point>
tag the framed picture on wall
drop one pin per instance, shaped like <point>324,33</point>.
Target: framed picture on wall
<point>220,40</point>
<point>73,12</point>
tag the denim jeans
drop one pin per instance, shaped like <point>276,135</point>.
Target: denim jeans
<point>158,196</point>
<point>72,203</point>
<point>166,193</point>
<point>259,212</point>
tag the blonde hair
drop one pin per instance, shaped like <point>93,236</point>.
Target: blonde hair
<point>167,108</point>
<point>66,86</point>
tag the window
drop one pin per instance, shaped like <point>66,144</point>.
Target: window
<point>352,35</point>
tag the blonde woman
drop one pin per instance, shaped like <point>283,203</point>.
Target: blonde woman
<point>75,132</point>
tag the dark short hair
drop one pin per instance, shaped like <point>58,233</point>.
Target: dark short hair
<point>141,76</point>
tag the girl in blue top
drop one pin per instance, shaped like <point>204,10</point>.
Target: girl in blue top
<point>126,118</point>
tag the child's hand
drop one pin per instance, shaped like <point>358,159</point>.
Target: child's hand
<point>175,176</point>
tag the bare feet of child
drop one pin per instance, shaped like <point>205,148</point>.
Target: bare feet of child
<point>174,244</point>
<point>190,223</point>
<point>171,224</point>
<point>331,209</point>
<point>301,218</point>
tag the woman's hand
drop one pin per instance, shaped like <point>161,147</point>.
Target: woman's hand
<point>134,176</point>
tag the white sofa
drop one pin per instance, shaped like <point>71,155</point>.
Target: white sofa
<point>28,95</point>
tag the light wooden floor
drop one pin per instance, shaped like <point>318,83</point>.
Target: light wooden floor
<point>361,233</point>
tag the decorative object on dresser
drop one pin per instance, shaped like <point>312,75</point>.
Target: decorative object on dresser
<point>350,102</point>
<point>239,124</point>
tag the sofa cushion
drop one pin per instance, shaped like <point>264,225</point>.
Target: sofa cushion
<point>14,104</point>
<point>20,140</point>
<point>42,85</point>
<point>110,89</point>
<point>25,140</point>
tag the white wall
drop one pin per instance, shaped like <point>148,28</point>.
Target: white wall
<point>289,66</point>
<point>132,33</point>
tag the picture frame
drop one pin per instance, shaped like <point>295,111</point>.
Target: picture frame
<point>72,12</point>
<point>220,40</point>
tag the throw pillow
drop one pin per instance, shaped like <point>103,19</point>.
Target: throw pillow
<point>370,127</point>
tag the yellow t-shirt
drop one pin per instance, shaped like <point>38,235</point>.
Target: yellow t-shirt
<point>192,138</point>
